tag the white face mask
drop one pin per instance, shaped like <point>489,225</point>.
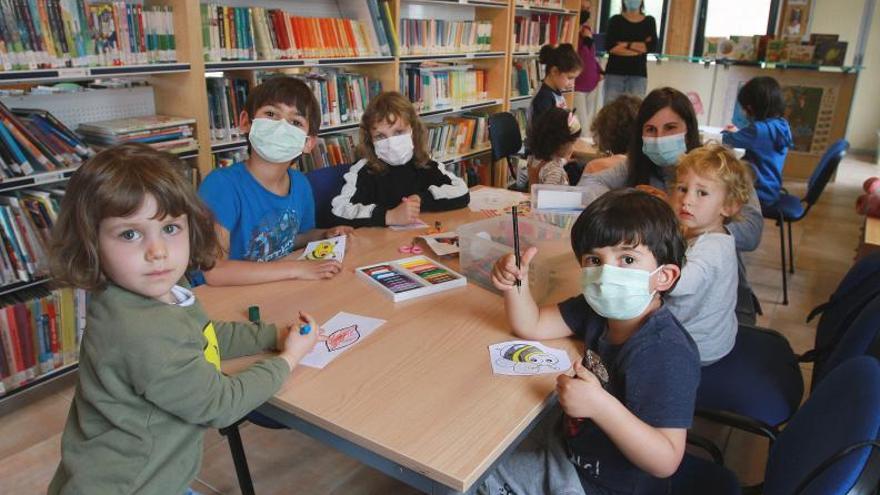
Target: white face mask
<point>396,150</point>
<point>276,141</point>
<point>617,293</point>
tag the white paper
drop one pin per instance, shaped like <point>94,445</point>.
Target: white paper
<point>527,357</point>
<point>326,249</point>
<point>443,243</point>
<point>549,199</point>
<point>494,199</point>
<point>343,331</point>
<point>418,224</point>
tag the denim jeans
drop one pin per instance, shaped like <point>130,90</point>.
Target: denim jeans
<point>616,85</point>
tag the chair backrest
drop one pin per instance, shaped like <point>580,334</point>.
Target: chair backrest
<point>504,135</point>
<point>858,287</point>
<point>326,184</point>
<point>840,413</point>
<point>857,339</point>
<point>825,170</point>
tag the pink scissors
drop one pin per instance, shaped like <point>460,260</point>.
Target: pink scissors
<point>410,248</point>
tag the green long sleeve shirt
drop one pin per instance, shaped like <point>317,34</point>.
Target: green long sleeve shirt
<point>149,386</point>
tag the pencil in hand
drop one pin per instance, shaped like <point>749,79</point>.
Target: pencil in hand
<point>516,252</point>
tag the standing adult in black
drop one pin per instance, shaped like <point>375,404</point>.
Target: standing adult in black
<point>631,35</point>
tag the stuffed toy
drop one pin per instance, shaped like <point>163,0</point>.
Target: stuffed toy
<point>869,203</point>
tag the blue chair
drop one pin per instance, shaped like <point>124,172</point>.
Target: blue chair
<point>505,138</point>
<point>790,209</point>
<point>326,184</point>
<point>862,337</point>
<point>827,447</point>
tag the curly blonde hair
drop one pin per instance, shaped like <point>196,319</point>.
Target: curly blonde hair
<point>388,107</point>
<point>719,162</point>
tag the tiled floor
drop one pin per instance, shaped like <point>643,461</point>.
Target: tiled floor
<point>286,462</point>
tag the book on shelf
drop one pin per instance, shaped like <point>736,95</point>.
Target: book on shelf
<point>162,132</point>
<point>526,76</point>
<point>439,36</point>
<point>458,135</point>
<point>432,86</point>
<point>26,220</point>
<point>256,33</point>
<point>228,158</point>
<point>45,34</point>
<point>34,141</point>
<point>535,30</point>
<point>343,95</point>
<point>331,151</point>
<point>520,115</point>
<point>556,4</point>
<point>226,100</point>
<point>40,331</point>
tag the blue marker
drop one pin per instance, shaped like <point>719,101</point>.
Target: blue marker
<point>305,329</point>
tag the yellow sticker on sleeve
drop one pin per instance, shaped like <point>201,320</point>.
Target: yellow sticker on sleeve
<point>212,350</point>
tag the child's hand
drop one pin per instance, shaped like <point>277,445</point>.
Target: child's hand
<point>653,191</point>
<point>337,231</point>
<point>581,395</point>
<point>297,345</point>
<point>731,128</point>
<point>406,212</point>
<point>315,270</point>
<point>505,272</point>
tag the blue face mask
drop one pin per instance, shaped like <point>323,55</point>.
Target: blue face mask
<point>664,151</point>
<point>617,293</point>
<point>276,141</point>
<point>632,4</point>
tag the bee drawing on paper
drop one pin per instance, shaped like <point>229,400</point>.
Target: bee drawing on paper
<point>324,250</point>
<point>526,358</point>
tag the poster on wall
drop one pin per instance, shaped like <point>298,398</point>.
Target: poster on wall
<point>795,19</point>
<point>809,111</point>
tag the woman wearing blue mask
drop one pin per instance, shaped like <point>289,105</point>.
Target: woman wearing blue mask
<point>631,35</point>
<point>666,128</point>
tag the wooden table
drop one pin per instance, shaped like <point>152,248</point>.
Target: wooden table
<point>417,399</point>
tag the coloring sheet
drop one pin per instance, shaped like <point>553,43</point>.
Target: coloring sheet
<point>494,199</point>
<point>418,224</point>
<point>526,357</point>
<point>443,243</point>
<point>326,249</point>
<point>343,331</point>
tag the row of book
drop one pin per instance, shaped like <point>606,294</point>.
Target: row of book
<point>162,132</point>
<point>532,32</point>
<point>26,220</point>
<point>436,86</point>
<point>255,33</point>
<point>458,135</point>
<point>343,95</point>
<point>33,141</point>
<point>331,151</point>
<point>40,331</point>
<point>38,34</point>
<point>438,36</point>
<point>821,49</point>
<point>228,158</point>
<point>556,4</point>
<point>526,76</point>
<point>226,100</point>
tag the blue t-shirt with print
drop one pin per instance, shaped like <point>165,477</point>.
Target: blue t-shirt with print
<point>654,374</point>
<point>262,225</point>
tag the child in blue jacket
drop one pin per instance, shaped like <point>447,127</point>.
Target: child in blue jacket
<point>766,136</point>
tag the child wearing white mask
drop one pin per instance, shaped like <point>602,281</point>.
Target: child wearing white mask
<point>396,178</point>
<point>263,208</point>
<point>626,417</point>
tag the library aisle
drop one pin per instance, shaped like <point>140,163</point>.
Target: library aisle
<point>825,244</point>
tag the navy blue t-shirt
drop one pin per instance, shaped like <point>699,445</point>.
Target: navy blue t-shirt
<point>655,374</point>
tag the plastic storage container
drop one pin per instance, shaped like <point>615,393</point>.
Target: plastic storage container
<point>483,242</point>
<point>558,205</point>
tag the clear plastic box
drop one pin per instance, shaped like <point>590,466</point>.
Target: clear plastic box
<point>483,242</point>
<point>558,205</point>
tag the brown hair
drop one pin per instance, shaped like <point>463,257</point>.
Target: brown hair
<point>388,107</point>
<point>290,91</point>
<point>718,162</point>
<point>613,126</point>
<point>114,184</point>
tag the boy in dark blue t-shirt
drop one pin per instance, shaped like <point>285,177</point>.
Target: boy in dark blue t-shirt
<point>626,418</point>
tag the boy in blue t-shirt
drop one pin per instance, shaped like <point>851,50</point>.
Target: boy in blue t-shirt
<point>264,209</point>
<point>765,136</point>
<point>626,418</point>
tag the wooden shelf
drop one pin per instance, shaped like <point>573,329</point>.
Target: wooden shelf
<point>464,156</point>
<point>39,380</point>
<point>291,63</point>
<point>35,179</point>
<point>16,286</point>
<point>461,108</point>
<point>85,73</point>
<point>464,3</point>
<point>451,56</point>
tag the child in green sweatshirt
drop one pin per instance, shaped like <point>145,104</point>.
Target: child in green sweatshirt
<point>150,383</point>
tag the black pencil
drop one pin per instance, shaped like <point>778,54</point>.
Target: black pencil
<point>516,246</point>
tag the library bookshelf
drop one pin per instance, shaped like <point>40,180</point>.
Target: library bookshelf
<point>180,89</point>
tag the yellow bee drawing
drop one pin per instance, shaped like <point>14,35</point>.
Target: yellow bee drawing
<point>324,250</point>
<point>526,358</point>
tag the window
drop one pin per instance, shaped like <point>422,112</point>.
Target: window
<point>723,18</point>
<point>653,8</point>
